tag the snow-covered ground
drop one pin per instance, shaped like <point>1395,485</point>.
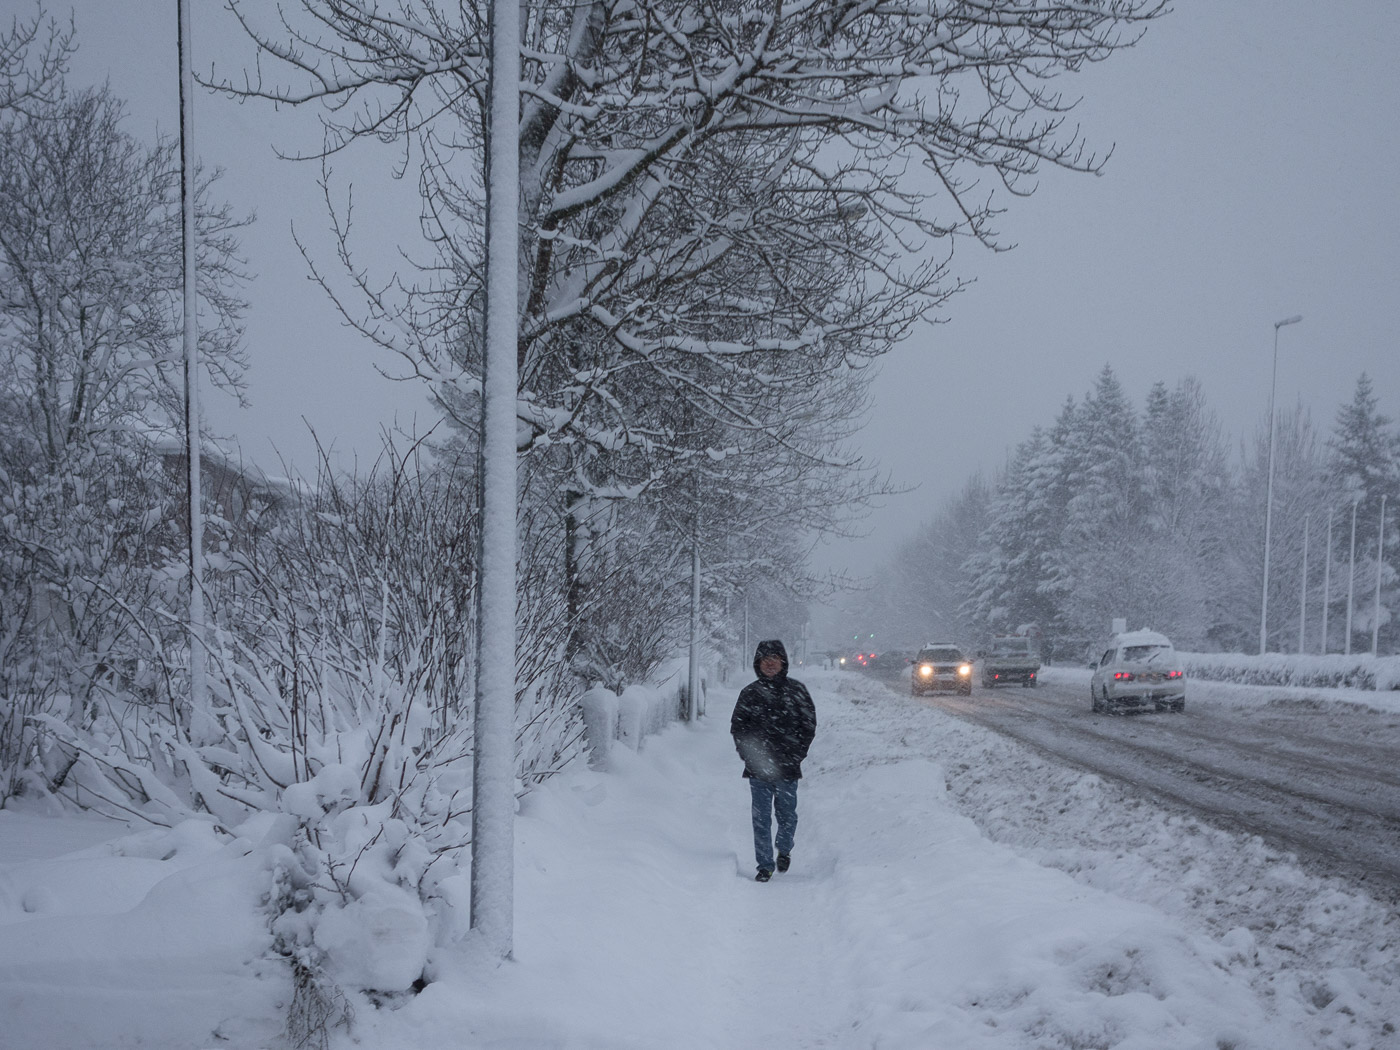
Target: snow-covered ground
<point>949,890</point>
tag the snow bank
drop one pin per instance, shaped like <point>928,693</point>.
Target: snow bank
<point>156,939</point>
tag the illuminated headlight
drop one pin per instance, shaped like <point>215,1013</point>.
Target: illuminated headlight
<point>964,669</point>
<point>843,659</point>
<point>926,669</point>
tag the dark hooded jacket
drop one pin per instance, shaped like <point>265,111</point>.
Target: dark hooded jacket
<point>774,721</point>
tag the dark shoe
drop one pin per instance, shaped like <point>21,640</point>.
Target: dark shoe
<point>784,861</point>
<point>763,875</point>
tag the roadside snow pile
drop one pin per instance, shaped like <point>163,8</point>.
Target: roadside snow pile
<point>1322,956</point>
<point>1357,671</point>
<point>154,939</point>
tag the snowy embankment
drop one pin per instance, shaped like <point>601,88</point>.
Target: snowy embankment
<point>948,890</point>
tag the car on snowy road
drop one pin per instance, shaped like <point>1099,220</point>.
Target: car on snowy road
<point>1138,670</point>
<point>941,665</point>
<point>1010,659</point>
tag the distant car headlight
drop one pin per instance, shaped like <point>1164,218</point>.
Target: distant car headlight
<point>843,659</point>
<point>926,669</point>
<point>964,669</point>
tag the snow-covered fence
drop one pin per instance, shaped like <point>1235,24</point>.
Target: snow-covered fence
<point>639,712</point>
<point>1358,671</point>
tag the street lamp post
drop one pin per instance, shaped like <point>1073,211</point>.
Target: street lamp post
<point>1351,572</point>
<point>1326,583</point>
<point>1269,496</point>
<point>1380,564</point>
<point>1303,592</point>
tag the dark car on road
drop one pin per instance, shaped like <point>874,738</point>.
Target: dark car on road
<point>941,666</point>
<point>892,663</point>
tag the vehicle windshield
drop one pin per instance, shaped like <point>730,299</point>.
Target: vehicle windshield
<point>1146,654</point>
<point>1012,647</point>
<point>940,656</point>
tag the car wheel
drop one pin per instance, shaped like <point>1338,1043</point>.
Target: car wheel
<point>966,690</point>
<point>1034,682</point>
<point>1179,705</point>
<point>1098,704</point>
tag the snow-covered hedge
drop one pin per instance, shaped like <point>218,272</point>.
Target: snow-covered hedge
<point>1358,671</point>
<point>639,712</point>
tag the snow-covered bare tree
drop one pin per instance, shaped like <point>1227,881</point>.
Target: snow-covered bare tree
<point>929,585</point>
<point>89,367</point>
<point>726,210</point>
<point>34,56</point>
<point>90,276</point>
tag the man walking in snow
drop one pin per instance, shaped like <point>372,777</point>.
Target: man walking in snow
<point>773,725</point>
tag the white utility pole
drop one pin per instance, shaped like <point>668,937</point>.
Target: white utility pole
<point>1380,564</point>
<point>692,700</point>
<point>1303,593</point>
<point>493,767</point>
<point>1351,572</point>
<point>199,689</point>
<point>1269,495</point>
<point>1327,581</point>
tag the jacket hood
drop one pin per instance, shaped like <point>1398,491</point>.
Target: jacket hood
<point>772,647</point>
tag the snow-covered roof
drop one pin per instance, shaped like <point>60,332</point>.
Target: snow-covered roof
<point>1141,638</point>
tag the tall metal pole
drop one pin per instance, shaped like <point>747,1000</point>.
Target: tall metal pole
<point>1351,572</point>
<point>1327,582</point>
<point>1380,564</point>
<point>692,700</point>
<point>744,656</point>
<point>493,766</point>
<point>190,278</point>
<point>1269,496</point>
<point>1303,593</point>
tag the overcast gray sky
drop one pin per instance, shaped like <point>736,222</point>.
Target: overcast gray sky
<point>1254,176</point>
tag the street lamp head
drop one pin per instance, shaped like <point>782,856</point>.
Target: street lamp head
<point>1288,320</point>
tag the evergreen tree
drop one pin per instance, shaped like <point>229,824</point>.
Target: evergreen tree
<point>1096,567</point>
<point>1009,577</point>
<point>1188,480</point>
<point>1364,460</point>
<point>1365,465</point>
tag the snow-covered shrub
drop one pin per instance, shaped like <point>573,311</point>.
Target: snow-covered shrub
<point>341,704</point>
<point>88,583</point>
<point>1333,670</point>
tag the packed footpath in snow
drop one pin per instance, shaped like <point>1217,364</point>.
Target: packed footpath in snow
<point>948,889</point>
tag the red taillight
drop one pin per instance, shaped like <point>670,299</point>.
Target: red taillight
<point>1123,676</point>
<point>1173,674</point>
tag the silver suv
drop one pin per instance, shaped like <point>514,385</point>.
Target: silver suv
<point>941,665</point>
<point>1139,669</point>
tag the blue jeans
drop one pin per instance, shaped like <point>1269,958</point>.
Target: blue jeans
<point>769,797</point>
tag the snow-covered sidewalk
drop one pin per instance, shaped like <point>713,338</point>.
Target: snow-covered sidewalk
<point>639,926</point>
